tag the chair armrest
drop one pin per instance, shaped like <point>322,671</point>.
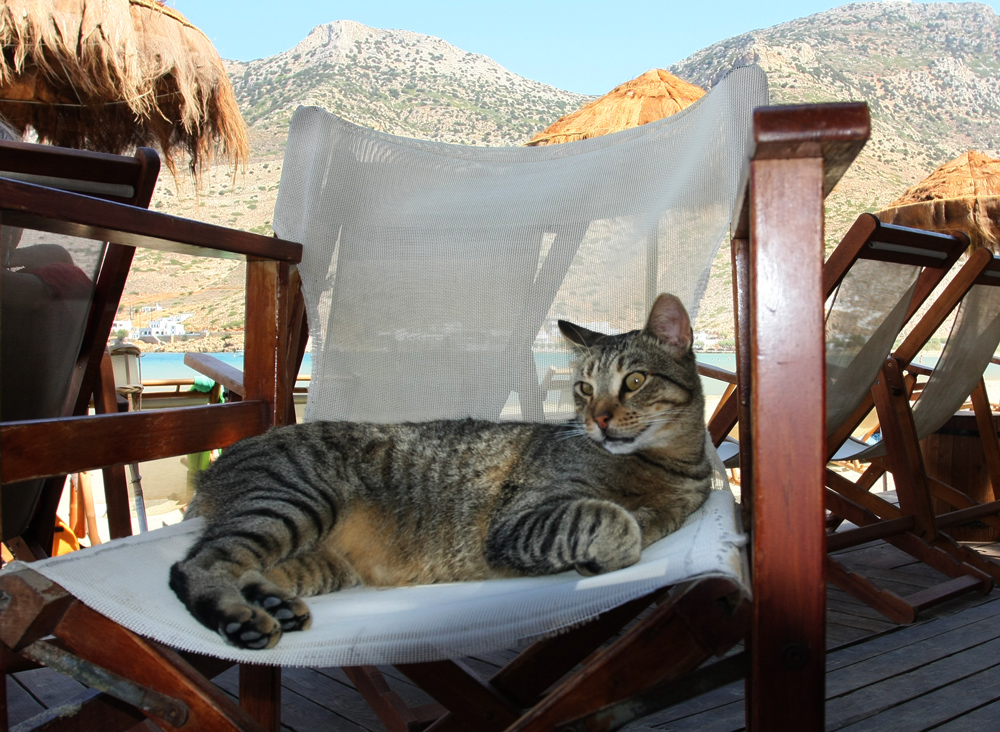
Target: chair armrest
<point>717,372</point>
<point>46,447</point>
<point>61,212</point>
<point>217,370</point>
<point>919,370</point>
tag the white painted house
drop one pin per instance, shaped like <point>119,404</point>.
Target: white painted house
<point>172,325</point>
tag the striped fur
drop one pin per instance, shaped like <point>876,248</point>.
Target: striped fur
<point>317,507</point>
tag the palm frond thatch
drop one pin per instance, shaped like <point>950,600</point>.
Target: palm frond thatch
<point>109,75</point>
<point>652,96</point>
<point>961,195</point>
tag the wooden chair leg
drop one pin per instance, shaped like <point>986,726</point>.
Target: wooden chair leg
<point>260,694</point>
<point>987,435</point>
<point>391,710</point>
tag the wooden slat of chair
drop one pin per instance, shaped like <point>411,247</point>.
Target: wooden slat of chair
<point>789,178</point>
<point>115,491</point>
<point>231,377</point>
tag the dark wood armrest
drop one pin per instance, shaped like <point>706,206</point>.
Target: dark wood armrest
<point>217,370</point>
<point>60,212</point>
<point>919,369</point>
<point>717,372</point>
<point>44,447</point>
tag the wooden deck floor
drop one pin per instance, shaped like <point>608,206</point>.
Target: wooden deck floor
<point>941,673</point>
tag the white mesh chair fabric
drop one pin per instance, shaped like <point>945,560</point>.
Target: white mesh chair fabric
<point>972,341</point>
<point>126,580</point>
<point>432,274</point>
<point>863,321</point>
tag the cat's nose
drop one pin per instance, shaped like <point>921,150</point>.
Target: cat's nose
<point>603,420</point>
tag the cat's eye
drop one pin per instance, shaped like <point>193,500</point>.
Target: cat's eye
<point>634,380</point>
<point>584,388</point>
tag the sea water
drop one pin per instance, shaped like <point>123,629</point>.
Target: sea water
<point>171,365</point>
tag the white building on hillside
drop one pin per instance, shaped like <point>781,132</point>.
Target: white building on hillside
<point>172,325</point>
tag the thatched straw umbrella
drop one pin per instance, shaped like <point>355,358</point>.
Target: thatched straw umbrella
<point>647,98</point>
<point>961,195</point>
<point>110,75</point>
<point>652,96</point>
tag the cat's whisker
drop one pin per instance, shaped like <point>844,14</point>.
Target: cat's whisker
<point>570,434</point>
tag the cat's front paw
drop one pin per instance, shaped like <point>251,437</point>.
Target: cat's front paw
<point>249,627</point>
<point>616,543</point>
<point>289,611</point>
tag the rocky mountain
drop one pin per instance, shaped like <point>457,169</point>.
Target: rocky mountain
<point>929,72</point>
<point>398,82</point>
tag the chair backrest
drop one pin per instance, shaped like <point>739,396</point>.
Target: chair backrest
<point>973,298</point>
<point>875,281</point>
<point>973,340</point>
<point>434,274</point>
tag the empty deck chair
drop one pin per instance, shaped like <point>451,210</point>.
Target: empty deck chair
<point>55,446</point>
<point>913,525</point>
<point>874,281</point>
<point>51,348</point>
<point>787,650</point>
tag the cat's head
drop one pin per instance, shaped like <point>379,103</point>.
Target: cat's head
<point>637,390</point>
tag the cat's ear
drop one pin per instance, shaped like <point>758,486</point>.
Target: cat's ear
<point>579,335</point>
<point>669,323</point>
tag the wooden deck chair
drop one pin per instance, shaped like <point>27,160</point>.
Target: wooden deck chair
<point>913,525</point>
<point>799,154</point>
<point>54,335</point>
<point>65,443</point>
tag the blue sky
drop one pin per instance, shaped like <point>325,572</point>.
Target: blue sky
<point>585,47</point>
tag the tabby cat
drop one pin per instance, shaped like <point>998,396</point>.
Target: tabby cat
<point>316,507</point>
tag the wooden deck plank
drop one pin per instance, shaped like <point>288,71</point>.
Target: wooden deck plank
<point>49,687</point>
<point>715,702</point>
<point>313,701</point>
<point>911,657</point>
<point>979,720</point>
<point>926,711</point>
<point>919,632</point>
<point>897,688</point>
<point>840,601</point>
<point>21,705</point>
<point>871,625</point>
<point>730,717</point>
